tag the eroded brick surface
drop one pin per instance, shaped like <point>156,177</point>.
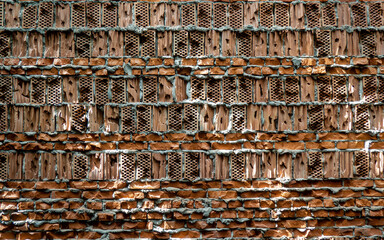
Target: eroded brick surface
<point>182,119</point>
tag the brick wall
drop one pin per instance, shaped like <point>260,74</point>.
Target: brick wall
<point>191,119</point>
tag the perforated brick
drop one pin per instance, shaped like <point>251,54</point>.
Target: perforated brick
<point>174,117</point>
<point>292,89</point>
<point>5,89</point>
<point>188,15</point>
<point>198,88</point>
<point>80,166</point>
<point>362,117</point>
<point>4,44</point>
<point>83,44</point>
<point>109,15</point>
<point>214,90</point>
<point>29,19</point>
<point>323,43</point>
<point>316,117</point>
<point>143,118</point>
<point>229,90</point>
<point>38,90</point>
<point>219,15</point>
<point>54,90</point>
<point>118,90</point>
<point>181,43</point>
<point>3,118</point>
<point>143,170</point>
<point>150,89</point>
<point>174,165</point>
<point>328,14</point>
<point>190,117</point>
<point>281,14</point>
<point>237,166</point>
<point>380,90</point>
<point>244,47</point>
<point>359,15</point>
<point>191,165</point>
<point>93,14</point>
<point>339,89</point>
<point>3,166</point>
<point>376,14</point>
<point>78,14</point>
<point>315,166</point>
<point>127,166</point>
<point>362,164</point>
<point>101,90</point>
<point>141,14</point>
<point>276,89</point>
<point>245,89</point>
<point>1,14</point>
<point>127,120</point>
<point>324,88</point>
<point>46,15</point>
<point>236,15</point>
<point>79,120</point>
<point>370,89</point>
<point>266,14</point>
<point>86,89</point>
<point>238,118</point>
<point>368,43</point>
<point>313,14</point>
<point>131,44</point>
<point>147,42</point>
<point>204,14</point>
<point>196,43</point>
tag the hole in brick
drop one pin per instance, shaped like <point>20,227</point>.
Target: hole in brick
<point>339,89</point>
<point>276,89</point>
<point>328,14</point>
<point>79,120</point>
<point>244,44</point>
<point>86,89</point>
<point>238,118</point>
<point>147,42</point>
<point>83,45</point>
<point>174,165</point>
<point>362,117</point>
<point>180,41</point>
<point>281,14</point>
<point>198,88</point>
<point>196,41</point>
<point>292,89</point>
<point>214,90</point>
<point>245,90</point>
<point>324,88</point>
<point>150,89</point>
<point>109,15</point>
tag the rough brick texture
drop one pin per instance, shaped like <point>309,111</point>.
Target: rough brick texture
<point>181,119</point>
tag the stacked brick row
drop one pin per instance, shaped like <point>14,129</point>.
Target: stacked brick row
<point>201,210</point>
<point>191,29</point>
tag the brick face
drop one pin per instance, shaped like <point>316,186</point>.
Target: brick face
<point>134,119</point>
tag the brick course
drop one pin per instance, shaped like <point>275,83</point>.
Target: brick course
<point>191,119</point>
